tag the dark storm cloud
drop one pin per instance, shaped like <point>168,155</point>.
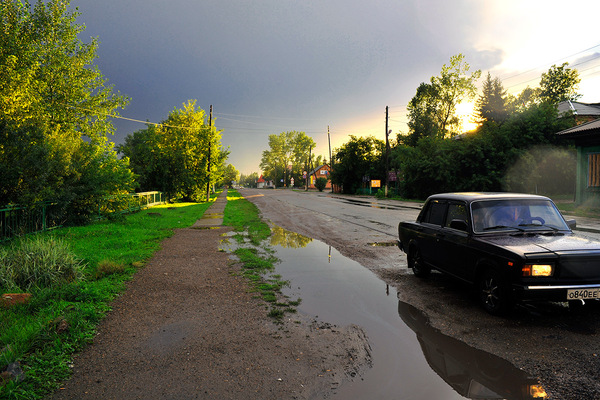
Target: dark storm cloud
<point>318,61</point>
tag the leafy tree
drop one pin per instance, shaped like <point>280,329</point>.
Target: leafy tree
<point>454,86</point>
<point>432,111</point>
<point>559,84</point>
<point>422,111</point>
<point>54,110</point>
<point>249,180</point>
<point>357,158</point>
<point>479,161</point>
<point>230,174</point>
<point>492,105</point>
<point>173,157</point>
<point>287,148</point>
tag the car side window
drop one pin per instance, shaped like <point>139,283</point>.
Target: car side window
<point>456,211</point>
<point>435,213</point>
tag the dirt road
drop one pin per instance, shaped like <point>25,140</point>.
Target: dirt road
<point>559,347</point>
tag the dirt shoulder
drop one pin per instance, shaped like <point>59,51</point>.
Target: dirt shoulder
<point>188,327</point>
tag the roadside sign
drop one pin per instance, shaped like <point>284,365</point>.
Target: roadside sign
<point>392,176</point>
<point>375,183</point>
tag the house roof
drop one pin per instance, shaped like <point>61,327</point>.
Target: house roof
<point>261,179</point>
<point>582,130</point>
<point>582,109</point>
<point>318,168</point>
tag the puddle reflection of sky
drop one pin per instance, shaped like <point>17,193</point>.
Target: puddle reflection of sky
<point>406,362</point>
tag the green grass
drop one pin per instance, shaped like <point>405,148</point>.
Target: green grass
<point>255,255</point>
<point>60,320</point>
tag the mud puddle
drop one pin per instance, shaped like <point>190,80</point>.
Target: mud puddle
<point>411,360</point>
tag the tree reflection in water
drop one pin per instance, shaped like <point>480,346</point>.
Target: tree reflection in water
<point>284,238</point>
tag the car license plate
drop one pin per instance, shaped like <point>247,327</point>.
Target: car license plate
<point>583,294</point>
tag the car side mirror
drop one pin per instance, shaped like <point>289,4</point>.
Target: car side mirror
<point>459,224</point>
<point>571,223</point>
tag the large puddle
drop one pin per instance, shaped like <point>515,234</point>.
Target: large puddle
<point>411,360</point>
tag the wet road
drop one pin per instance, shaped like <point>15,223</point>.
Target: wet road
<point>411,359</point>
<point>547,341</point>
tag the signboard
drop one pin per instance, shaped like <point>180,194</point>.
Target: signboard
<point>392,176</point>
<point>375,183</point>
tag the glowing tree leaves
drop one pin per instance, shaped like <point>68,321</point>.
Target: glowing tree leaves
<point>173,156</point>
<point>55,112</point>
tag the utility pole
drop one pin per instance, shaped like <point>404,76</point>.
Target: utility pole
<point>209,147</point>
<point>308,167</point>
<point>330,159</point>
<point>387,153</point>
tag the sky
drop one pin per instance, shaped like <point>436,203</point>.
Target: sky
<point>271,66</point>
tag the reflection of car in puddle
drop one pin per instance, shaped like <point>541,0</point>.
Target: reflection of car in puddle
<point>473,373</point>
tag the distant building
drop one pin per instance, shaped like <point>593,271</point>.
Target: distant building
<point>321,171</point>
<point>583,112</point>
<point>260,183</point>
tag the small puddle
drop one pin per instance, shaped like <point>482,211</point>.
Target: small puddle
<point>411,360</point>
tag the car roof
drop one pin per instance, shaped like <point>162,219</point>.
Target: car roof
<point>472,196</point>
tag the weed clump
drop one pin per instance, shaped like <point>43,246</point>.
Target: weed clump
<point>107,267</point>
<point>38,262</point>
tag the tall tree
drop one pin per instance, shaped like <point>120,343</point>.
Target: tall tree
<point>286,149</point>
<point>422,115</point>
<point>432,112</point>
<point>55,104</point>
<point>559,84</point>
<point>229,176</point>
<point>491,106</point>
<point>357,158</point>
<point>454,86</point>
<point>173,157</point>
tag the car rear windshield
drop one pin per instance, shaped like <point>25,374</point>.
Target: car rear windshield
<point>513,214</point>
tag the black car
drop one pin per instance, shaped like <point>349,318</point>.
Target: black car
<point>510,246</point>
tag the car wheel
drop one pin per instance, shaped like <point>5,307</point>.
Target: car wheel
<point>415,261</point>
<point>493,293</point>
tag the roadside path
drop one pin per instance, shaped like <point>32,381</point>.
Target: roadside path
<point>188,327</point>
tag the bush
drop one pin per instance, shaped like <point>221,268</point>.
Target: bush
<point>36,263</point>
<point>321,183</point>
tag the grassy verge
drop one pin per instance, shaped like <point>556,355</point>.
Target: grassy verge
<point>255,255</point>
<point>58,321</point>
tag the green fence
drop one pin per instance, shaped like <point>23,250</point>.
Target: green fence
<point>125,204</point>
<point>18,220</point>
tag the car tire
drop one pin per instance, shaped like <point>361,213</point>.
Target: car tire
<point>415,261</point>
<point>493,293</point>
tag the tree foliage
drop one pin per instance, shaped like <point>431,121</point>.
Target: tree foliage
<point>287,157</point>
<point>249,180</point>
<point>432,111</point>
<point>54,111</point>
<point>479,161</point>
<point>229,176</point>
<point>173,156</point>
<point>356,159</point>
<point>559,84</point>
<point>493,103</point>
